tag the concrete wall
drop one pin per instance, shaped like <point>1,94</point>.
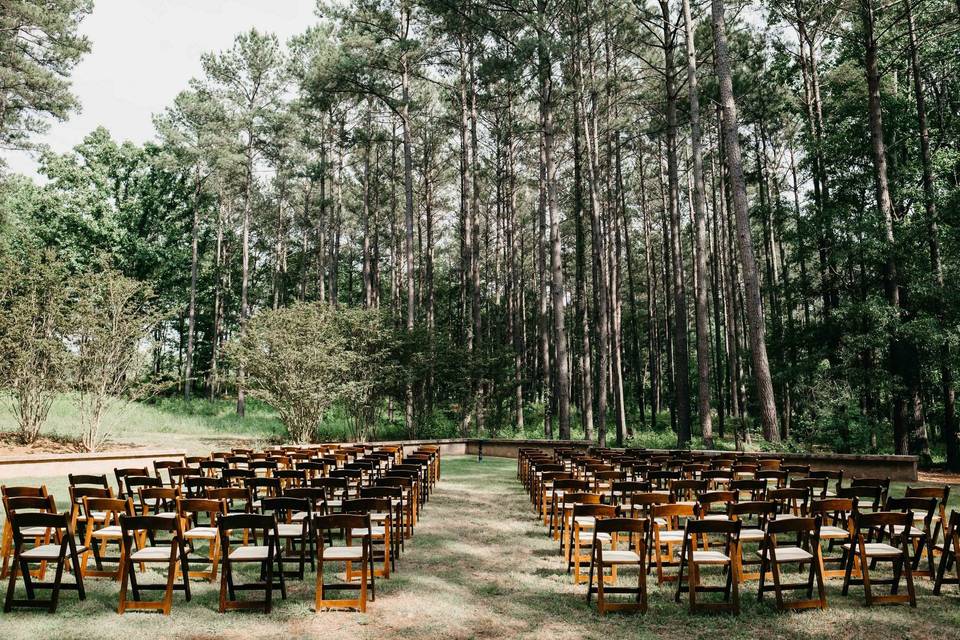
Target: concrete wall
<point>902,468</point>
<point>51,465</point>
<point>899,468</point>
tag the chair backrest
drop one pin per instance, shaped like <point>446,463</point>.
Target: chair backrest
<point>336,488</point>
<point>133,484</point>
<point>110,508</point>
<point>869,523</point>
<point>757,512</point>
<point>231,496</point>
<point>159,499</point>
<point>189,508</point>
<point>284,507</point>
<point>24,504</point>
<point>88,480</point>
<point>367,505</point>
<point>868,496</point>
<point>728,528</point>
<point>23,492</point>
<point>340,521</point>
<point>836,511</point>
<point>20,520</point>
<point>232,523</point>
<point>805,525</point>
<point>706,500</point>
<point>672,513</point>
<point>792,501</point>
<point>816,486</point>
<point>122,474</point>
<point>596,511</point>
<point>756,488</point>
<point>925,507</point>
<point>77,494</point>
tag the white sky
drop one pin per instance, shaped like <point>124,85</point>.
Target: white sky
<point>144,52</point>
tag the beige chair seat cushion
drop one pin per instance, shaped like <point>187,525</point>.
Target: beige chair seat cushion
<point>376,531</point>
<point>710,557</point>
<point>877,550</point>
<point>290,530</point>
<point>829,532</point>
<point>33,532</point>
<point>45,552</point>
<point>751,535</point>
<point>671,535</point>
<point>618,556</point>
<point>587,536</point>
<point>716,516</point>
<point>250,553</point>
<point>790,554</point>
<point>585,521</point>
<point>342,553</point>
<point>201,533</point>
<point>151,554</point>
<point>914,532</point>
<point>113,531</point>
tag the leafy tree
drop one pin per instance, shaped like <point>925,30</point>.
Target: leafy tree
<point>111,319</point>
<point>39,47</point>
<point>34,312</point>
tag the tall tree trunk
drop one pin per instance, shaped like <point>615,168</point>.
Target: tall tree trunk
<point>245,277</point>
<point>192,308</point>
<point>556,266</point>
<point>950,437</point>
<point>700,236</point>
<point>681,354</point>
<point>754,306</point>
<point>408,206</point>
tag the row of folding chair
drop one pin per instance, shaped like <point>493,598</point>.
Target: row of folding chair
<point>667,516</point>
<point>199,524</point>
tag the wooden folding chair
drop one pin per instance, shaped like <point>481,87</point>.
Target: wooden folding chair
<point>773,556</point>
<point>923,510</point>
<point>294,535</point>
<point>949,553</point>
<point>380,548</point>
<point>584,519</point>
<point>727,536</point>
<point>198,521</point>
<point>102,517</point>
<point>864,551</point>
<point>349,553</point>
<point>667,535</point>
<point>836,517</point>
<point>268,556</point>
<point>754,515</point>
<point>56,553</point>
<point>137,530</point>
<point>6,538</point>
<point>633,532</point>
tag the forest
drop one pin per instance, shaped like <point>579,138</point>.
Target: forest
<point>730,221</point>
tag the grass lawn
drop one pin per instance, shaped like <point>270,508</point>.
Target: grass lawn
<point>480,566</point>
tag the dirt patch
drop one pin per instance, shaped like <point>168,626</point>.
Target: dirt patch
<point>939,476</point>
<point>10,445</point>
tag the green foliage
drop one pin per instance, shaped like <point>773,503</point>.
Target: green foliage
<point>39,47</point>
<point>110,320</point>
<point>34,319</point>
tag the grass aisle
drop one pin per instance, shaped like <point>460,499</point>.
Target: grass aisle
<point>480,566</point>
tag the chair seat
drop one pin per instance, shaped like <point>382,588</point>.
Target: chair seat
<point>299,516</point>
<point>716,516</point>
<point>671,535</point>
<point>790,554</point>
<point>710,557</point>
<point>32,532</point>
<point>786,516</point>
<point>250,554</point>
<point>165,514</point>
<point>914,532</point>
<point>290,530</point>
<point>751,535</point>
<point>620,557</point>
<point>335,503</point>
<point>587,536</point>
<point>878,550</point>
<point>829,532</point>
<point>686,503</point>
<point>585,521</point>
<point>45,552</point>
<point>376,531</point>
<point>201,533</point>
<point>342,553</point>
<point>151,554</point>
<point>113,531</point>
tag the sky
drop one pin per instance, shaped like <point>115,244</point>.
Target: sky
<point>143,54</point>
